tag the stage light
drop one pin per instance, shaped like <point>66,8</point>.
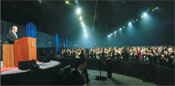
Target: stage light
<point>129,23</point>
<point>76,1</point>
<point>86,35</point>
<point>67,2</point>
<point>78,11</point>
<point>145,14</point>
<point>40,1</point>
<point>142,16</point>
<point>124,27</point>
<point>84,30</point>
<point>136,19</point>
<point>109,35</point>
<point>115,32</point>
<point>80,18</point>
<point>82,23</point>
<point>156,8</point>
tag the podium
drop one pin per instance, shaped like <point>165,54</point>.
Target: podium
<point>8,55</point>
<point>24,50</point>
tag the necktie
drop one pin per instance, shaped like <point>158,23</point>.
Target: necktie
<point>15,35</point>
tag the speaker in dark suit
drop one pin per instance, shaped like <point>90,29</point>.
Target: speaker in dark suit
<point>12,36</point>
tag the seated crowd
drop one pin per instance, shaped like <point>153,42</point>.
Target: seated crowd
<point>161,55</point>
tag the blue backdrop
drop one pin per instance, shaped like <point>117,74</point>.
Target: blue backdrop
<point>57,41</point>
<point>31,30</point>
<point>66,42</point>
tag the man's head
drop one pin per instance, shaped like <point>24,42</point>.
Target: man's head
<point>82,51</point>
<point>15,29</point>
<point>170,49</point>
<point>81,64</point>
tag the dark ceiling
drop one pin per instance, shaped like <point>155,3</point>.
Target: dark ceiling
<point>56,17</point>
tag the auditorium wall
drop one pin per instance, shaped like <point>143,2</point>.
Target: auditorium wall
<point>43,40</point>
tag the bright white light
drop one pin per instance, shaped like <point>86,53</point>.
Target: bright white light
<point>76,1</point>
<point>86,35</point>
<point>80,18</point>
<point>129,23</point>
<point>120,29</point>
<point>145,14</point>
<point>109,36</point>
<point>78,11</point>
<point>67,2</point>
<point>84,30</point>
<point>115,32</point>
<point>82,23</point>
<point>142,16</point>
<point>156,8</point>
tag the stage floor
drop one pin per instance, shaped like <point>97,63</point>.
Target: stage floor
<point>12,70</point>
<point>117,79</point>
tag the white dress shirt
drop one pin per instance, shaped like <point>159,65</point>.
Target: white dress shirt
<point>15,34</point>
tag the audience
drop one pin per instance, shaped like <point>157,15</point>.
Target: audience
<point>161,55</point>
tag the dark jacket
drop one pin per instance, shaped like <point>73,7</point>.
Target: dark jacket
<point>78,79</point>
<point>82,56</point>
<point>11,37</point>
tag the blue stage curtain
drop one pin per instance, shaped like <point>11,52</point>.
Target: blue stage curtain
<point>66,42</point>
<point>57,42</point>
<point>31,30</point>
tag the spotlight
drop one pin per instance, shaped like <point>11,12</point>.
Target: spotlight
<point>40,1</point>
<point>142,16</point>
<point>83,25</point>
<point>156,8</point>
<point>136,19</point>
<point>84,30</point>
<point>78,11</point>
<point>76,1</point>
<point>67,2</point>
<point>145,14</point>
<point>115,32</point>
<point>124,27</point>
<point>82,22</point>
<point>80,18</point>
<point>86,35</point>
<point>129,23</point>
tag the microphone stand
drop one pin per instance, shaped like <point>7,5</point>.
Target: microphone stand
<point>101,63</point>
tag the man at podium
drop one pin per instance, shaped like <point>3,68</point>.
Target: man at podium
<point>12,36</point>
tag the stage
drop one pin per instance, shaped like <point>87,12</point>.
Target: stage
<point>13,70</point>
<point>45,75</point>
